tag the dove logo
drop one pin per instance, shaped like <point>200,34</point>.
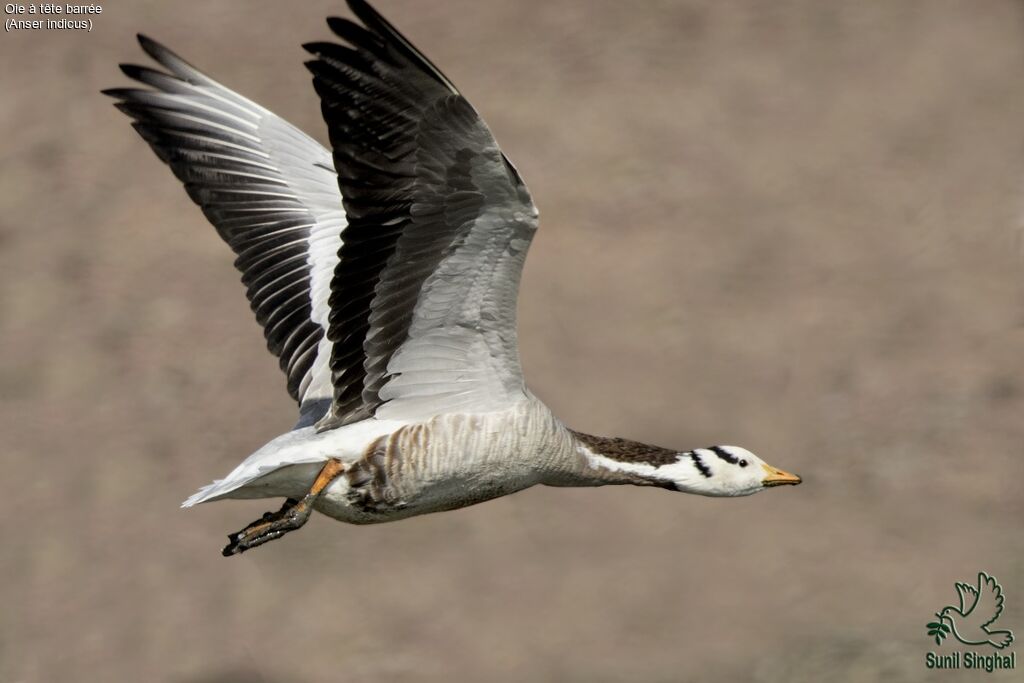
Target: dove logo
<point>973,622</point>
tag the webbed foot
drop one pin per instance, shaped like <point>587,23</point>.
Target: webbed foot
<point>292,515</point>
<point>273,525</point>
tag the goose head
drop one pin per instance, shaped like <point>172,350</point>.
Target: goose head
<point>723,471</point>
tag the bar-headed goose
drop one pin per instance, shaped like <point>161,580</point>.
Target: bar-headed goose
<point>384,273</point>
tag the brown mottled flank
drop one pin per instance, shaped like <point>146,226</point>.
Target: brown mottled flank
<point>369,477</point>
<point>628,451</point>
<point>793,226</point>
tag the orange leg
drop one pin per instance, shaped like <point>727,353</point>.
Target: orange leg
<point>292,515</point>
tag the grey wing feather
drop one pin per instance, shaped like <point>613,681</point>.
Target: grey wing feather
<point>424,295</point>
<point>271,192</point>
<point>460,353</point>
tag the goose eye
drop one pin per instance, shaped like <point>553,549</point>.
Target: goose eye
<point>743,463</point>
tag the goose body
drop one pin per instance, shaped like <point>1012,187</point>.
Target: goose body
<point>400,470</point>
<point>385,272</point>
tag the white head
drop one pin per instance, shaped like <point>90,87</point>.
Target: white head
<point>722,471</point>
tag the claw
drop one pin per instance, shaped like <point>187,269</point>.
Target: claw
<point>270,526</point>
<point>292,515</point>
<point>239,545</point>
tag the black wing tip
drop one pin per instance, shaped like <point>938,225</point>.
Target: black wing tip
<point>160,53</point>
<point>334,23</point>
<point>168,58</point>
<point>133,71</point>
<point>360,7</point>
<point>315,67</point>
<point>136,71</point>
<point>369,16</point>
<point>385,31</point>
<point>317,47</point>
<point>120,94</point>
<point>373,20</point>
<point>150,46</point>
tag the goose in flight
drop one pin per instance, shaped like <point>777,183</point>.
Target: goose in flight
<point>384,273</point>
<point>979,607</point>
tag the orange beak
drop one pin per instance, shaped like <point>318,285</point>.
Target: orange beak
<point>776,477</point>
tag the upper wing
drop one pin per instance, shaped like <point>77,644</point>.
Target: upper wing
<point>271,192</point>
<point>423,300</point>
<point>990,599</point>
<point>968,597</point>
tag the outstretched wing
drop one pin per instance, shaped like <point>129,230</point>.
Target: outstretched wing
<point>423,298</point>
<point>968,597</point>
<point>990,599</point>
<point>271,192</point>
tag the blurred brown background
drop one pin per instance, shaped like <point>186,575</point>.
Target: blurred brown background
<point>793,226</point>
